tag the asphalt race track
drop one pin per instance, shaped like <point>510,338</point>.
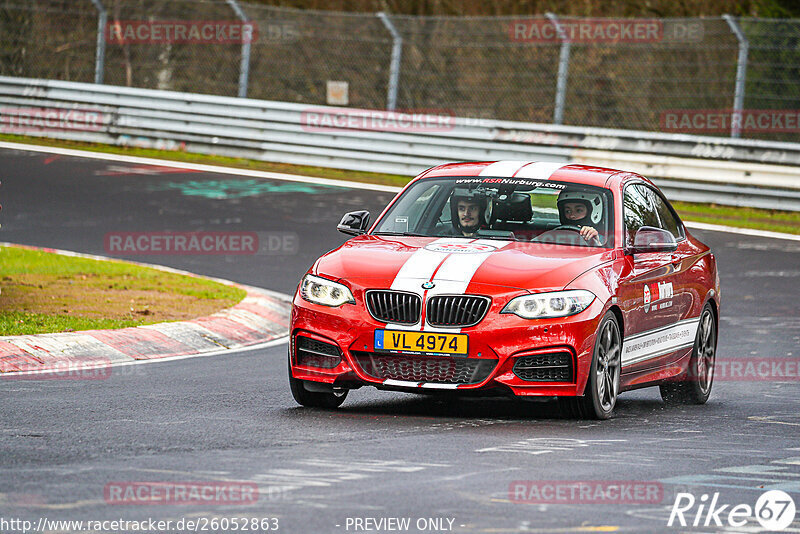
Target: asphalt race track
<point>445,465</point>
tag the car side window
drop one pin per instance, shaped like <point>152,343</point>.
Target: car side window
<point>666,217</point>
<point>638,211</point>
<point>420,206</point>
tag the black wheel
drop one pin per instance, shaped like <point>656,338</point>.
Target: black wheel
<point>602,387</point>
<point>695,387</point>
<point>314,399</point>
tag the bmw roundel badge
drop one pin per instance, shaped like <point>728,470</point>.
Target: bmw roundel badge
<point>428,285</point>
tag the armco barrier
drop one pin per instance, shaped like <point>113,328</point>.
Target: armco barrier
<point>696,168</point>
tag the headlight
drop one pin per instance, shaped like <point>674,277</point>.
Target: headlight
<point>544,305</point>
<point>321,291</point>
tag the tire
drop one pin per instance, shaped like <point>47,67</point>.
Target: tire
<point>314,399</point>
<point>602,387</point>
<point>695,387</point>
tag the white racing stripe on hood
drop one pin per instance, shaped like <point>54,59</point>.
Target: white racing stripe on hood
<point>456,273</point>
<point>417,269</point>
<point>453,277</point>
<point>540,170</point>
<point>504,169</point>
<point>421,265</point>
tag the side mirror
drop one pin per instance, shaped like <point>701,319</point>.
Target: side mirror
<point>650,239</point>
<point>354,223</point>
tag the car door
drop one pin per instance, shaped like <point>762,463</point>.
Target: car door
<point>650,291</point>
<point>682,258</point>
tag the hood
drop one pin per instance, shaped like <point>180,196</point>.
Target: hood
<point>454,264</point>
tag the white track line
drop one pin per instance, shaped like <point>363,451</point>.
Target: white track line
<point>743,231</point>
<point>311,180</point>
<point>198,167</point>
<point>264,345</point>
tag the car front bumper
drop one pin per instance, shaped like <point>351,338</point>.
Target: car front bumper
<point>496,345</point>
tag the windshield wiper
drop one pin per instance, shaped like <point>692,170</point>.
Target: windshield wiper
<point>495,238</point>
<point>411,234</point>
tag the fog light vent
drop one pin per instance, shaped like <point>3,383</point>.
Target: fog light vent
<point>549,367</point>
<point>314,353</point>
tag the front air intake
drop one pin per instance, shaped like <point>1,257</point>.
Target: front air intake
<point>394,306</point>
<point>456,310</point>
<point>441,370</point>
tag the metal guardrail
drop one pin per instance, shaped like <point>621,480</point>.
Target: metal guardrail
<point>694,168</point>
<point>541,68</point>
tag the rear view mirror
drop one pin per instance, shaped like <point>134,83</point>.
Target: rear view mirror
<point>354,223</point>
<point>651,239</point>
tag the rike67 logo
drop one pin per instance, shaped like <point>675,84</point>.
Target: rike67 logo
<point>774,510</point>
<point>655,292</point>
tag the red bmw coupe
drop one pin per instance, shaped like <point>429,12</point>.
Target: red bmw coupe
<point>534,279</point>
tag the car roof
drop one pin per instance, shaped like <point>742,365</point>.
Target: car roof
<point>539,170</point>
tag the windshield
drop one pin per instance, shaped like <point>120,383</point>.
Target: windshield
<point>518,209</point>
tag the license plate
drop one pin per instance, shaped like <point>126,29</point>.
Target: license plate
<point>421,342</point>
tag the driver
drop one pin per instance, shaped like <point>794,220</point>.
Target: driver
<point>583,210</point>
<point>468,211</point>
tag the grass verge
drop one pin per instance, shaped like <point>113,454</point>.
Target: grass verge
<point>776,221</point>
<point>787,222</point>
<point>44,292</point>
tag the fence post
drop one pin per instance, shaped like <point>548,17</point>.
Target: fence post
<point>741,72</point>
<point>100,54</point>
<point>394,69</point>
<point>244,64</point>
<point>563,70</point>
